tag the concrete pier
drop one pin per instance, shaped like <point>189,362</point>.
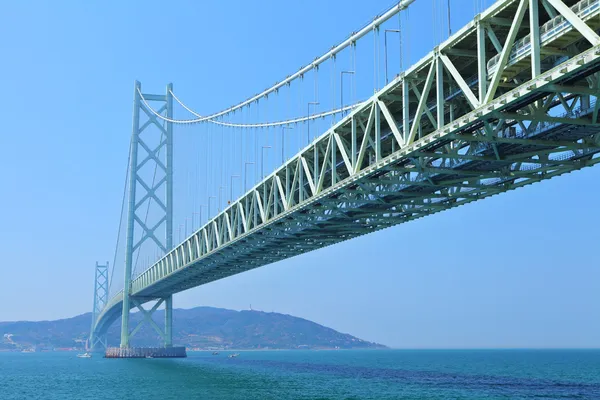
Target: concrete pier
<point>145,352</point>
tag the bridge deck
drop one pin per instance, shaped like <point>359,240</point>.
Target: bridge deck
<point>449,131</point>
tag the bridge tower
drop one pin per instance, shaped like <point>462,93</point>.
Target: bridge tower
<point>100,300</point>
<point>145,190</point>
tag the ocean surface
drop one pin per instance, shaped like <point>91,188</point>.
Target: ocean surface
<point>356,374</point>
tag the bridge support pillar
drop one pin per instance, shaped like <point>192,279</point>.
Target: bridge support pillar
<point>169,321</point>
<point>148,190</point>
<point>100,300</point>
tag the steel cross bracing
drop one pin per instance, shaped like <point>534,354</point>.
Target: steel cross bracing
<point>100,301</point>
<point>145,190</point>
<point>450,130</point>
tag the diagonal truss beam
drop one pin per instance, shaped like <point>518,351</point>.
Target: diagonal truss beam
<point>466,90</point>
<point>508,45</point>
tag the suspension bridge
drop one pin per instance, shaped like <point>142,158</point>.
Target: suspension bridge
<point>351,143</point>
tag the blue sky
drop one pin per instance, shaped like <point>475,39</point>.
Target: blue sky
<point>516,270</point>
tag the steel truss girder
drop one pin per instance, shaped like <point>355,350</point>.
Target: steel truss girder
<point>492,138</point>
<point>281,194</point>
<point>222,232</point>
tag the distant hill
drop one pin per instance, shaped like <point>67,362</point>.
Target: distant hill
<point>201,327</point>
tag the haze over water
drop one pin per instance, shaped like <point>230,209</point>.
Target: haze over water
<point>374,374</point>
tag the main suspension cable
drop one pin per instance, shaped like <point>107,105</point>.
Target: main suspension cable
<point>238,125</point>
<point>401,5</point>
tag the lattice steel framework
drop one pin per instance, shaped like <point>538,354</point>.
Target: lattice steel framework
<point>482,114</point>
<point>144,192</point>
<point>100,300</point>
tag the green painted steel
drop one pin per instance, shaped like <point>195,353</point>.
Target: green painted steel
<point>161,157</point>
<point>454,128</point>
<point>100,301</point>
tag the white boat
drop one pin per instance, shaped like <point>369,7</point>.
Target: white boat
<point>234,355</point>
<point>84,355</point>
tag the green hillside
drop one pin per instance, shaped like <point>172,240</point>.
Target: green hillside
<point>201,327</point>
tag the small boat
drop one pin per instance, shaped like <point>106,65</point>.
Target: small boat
<point>215,353</point>
<point>84,355</point>
<point>28,351</point>
<point>234,355</point>
<point>149,357</point>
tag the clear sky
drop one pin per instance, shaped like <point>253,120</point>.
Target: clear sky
<point>516,270</point>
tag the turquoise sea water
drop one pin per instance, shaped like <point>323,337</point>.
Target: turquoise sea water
<point>375,374</point>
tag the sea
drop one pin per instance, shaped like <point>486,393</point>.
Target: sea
<point>298,374</point>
